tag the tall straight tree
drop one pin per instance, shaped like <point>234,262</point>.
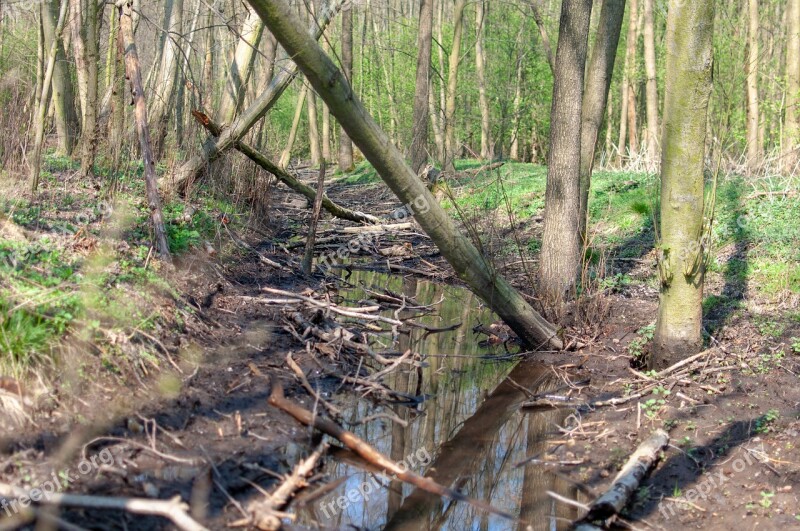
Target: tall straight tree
<point>595,94</point>
<point>791,129</point>
<point>452,87</point>
<point>332,86</point>
<point>480,70</point>
<point>690,32</point>
<point>345,144</point>
<point>561,241</point>
<point>754,151</point>
<point>652,85</point>
<point>419,132</point>
<point>240,67</point>
<point>92,51</point>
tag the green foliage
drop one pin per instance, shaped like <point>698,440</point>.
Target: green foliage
<point>763,424</point>
<point>643,336</point>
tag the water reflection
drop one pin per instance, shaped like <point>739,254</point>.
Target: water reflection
<point>471,429</point>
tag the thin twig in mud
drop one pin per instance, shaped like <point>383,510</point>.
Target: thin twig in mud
<point>394,365</point>
<point>377,416</point>
<point>174,509</point>
<point>162,455</point>
<point>370,454</point>
<point>304,382</point>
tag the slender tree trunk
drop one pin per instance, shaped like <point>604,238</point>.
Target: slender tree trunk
<point>240,68</point>
<point>164,92</point>
<point>791,129</point>
<point>548,49</point>
<point>595,96</point>
<point>67,122</point>
<point>754,148</point>
<point>76,27</point>
<point>286,156</point>
<point>326,118</point>
<point>436,124</point>
<point>89,140</point>
<point>516,132</point>
<point>652,85</point>
<point>471,266</point>
<point>452,88</point>
<point>561,242</point>
<point>346,163</point>
<point>623,118</point>
<point>41,114</point>
<point>419,132</point>
<point>480,70</point>
<point>313,130</point>
<point>690,30</point>
<point>140,114</point>
<point>207,96</point>
<point>630,69</point>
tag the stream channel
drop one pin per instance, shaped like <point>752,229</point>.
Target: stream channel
<point>468,433</point>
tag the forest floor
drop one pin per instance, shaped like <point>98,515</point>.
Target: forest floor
<point>167,370</point>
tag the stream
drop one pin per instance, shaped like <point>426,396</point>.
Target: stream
<point>468,434</point>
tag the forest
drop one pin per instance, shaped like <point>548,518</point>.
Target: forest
<point>399,264</point>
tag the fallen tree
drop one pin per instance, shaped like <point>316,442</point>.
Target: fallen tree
<point>214,147</point>
<point>284,177</point>
<point>471,266</point>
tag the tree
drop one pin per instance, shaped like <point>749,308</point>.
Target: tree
<point>754,149</point>
<point>595,95</point>
<point>240,67</point>
<point>333,87</point>
<point>452,87</point>
<point>419,132</point>
<point>480,70</point>
<point>89,139</point>
<point>163,94</point>
<point>345,145</point>
<point>652,84</point>
<point>791,129</point>
<point>561,242</point>
<point>690,29</point>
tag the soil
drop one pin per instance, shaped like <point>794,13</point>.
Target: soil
<point>733,460</point>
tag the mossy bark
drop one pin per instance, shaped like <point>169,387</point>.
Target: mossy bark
<point>690,28</point>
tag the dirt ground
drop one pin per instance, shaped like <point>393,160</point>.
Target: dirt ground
<point>733,461</point>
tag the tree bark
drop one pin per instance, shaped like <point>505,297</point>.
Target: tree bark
<point>214,147</point>
<point>286,156</point>
<point>561,242</point>
<point>41,114</point>
<point>754,149</point>
<point>163,94</point>
<point>548,49</point>
<point>452,88</point>
<point>76,28</point>
<point>630,69</point>
<point>92,49</point>
<point>595,96</point>
<point>346,163</point>
<point>240,67</point>
<point>690,28</point>
<point>422,87</point>
<point>652,84</point>
<point>134,76</point>
<point>480,70</point>
<point>471,266</point>
<point>791,129</point>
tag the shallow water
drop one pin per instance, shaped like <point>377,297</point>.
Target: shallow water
<point>468,434</point>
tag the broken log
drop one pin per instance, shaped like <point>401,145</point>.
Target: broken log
<point>284,177</point>
<point>370,454</point>
<point>627,481</point>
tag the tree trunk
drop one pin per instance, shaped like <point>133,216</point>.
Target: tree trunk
<point>240,68</point>
<point>163,94</point>
<point>561,242</point>
<point>548,49</point>
<point>754,151</point>
<point>76,28</point>
<point>480,70</point>
<point>67,123</point>
<point>313,130</point>
<point>690,30</point>
<point>134,76</point>
<point>326,119</point>
<point>517,105</point>
<point>791,129</point>
<point>345,144</point>
<point>630,69</point>
<point>214,147</point>
<point>471,266</point>
<point>92,49</point>
<point>41,114</point>
<point>419,132</point>
<point>595,96</point>
<point>286,156</point>
<point>452,88</point>
<point>652,85</point>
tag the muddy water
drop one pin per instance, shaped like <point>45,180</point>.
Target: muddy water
<point>468,434</point>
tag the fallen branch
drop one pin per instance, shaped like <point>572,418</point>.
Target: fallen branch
<point>174,510</point>
<point>280,174</point>
<point>370,454</point>
<point>627,481</point>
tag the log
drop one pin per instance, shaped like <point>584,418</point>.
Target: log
<point>253,154</point>
<point>370,454</point>
<point>627,481</point>
<point>472,267</point>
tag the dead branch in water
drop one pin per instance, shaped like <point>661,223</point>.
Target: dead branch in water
<point>370,454</point>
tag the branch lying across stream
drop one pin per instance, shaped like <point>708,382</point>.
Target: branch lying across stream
<point>371,455</point>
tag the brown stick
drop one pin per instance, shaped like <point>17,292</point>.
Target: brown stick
<point>308,259</point>
<point>370,454</point>
<point>134,75</point>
